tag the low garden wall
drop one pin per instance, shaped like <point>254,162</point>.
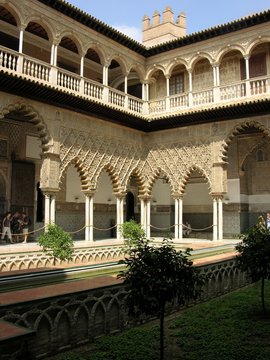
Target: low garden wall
<point>64,322</point>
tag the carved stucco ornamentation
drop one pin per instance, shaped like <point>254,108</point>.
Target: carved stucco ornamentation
<point>121,159</point>
<point>49,174</point>
<point>97,153</point>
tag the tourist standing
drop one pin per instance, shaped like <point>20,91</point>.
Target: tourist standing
<point>6,227</point>
<point>16,226</point>
<point>25,226</point>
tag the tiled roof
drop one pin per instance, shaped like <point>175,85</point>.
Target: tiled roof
<point>106,30</point>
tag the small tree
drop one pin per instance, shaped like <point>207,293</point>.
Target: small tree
<point>57,243</point>
<point>156,276</point>
<point>133,235</point>
<point>254,255</point>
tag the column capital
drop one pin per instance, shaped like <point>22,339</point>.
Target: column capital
<point>49,191</point>
<point>89,193</point>
<point>145,197</point>
<point>217,196</point>
<point>120,195</point>
<point>177,195</point>
<point>22,27</point>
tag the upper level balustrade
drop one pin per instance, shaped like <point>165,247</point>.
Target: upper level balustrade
<point>16,63</point>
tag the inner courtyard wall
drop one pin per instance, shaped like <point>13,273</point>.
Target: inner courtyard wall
<point>104,157</point>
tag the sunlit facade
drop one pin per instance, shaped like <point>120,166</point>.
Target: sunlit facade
<point>96,129</point>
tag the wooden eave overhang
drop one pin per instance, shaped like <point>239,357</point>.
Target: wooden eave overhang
<point>48,94</point>
<point>108,31</point>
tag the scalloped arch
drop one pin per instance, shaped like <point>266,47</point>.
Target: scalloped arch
<point>81,169</point>
<point>255,148</point>
<point>188,174</point>
<point>113,176</point>
<point>34,117</point>
<point>156,173</point>
<point>237,130</point>
<point>139,179</point>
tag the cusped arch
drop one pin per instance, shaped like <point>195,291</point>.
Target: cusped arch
<point>139,179</point>
<point>252,150</point>
<point>189,172</point>
<point>81,169</point>
<point>111,171</point>
<point>33,117</point>
<point>225,50</point>
<point>237,129</point>
<point>157,173</point>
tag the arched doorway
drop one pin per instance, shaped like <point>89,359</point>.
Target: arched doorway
<point>130,210</point>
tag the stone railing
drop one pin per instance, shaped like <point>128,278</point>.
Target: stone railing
<point>34,69</point>
<point>36,259</point>
<point>63,322</point>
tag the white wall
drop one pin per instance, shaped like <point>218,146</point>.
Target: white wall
<point>104,190</point>
<point>197,194</point>
<point>162,193</point>
<point>73,186</point>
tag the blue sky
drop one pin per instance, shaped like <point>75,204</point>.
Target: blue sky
<point>126,15</point>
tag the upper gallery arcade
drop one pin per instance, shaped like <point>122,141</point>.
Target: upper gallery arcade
<point>113,129</point>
